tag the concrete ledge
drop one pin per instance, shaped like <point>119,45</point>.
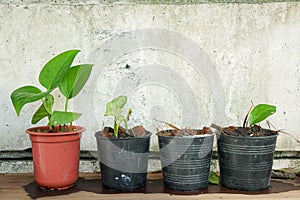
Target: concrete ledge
<point>81,2</point>
<point>21,161</point>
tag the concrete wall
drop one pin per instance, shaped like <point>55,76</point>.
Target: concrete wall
<point>188,64</point>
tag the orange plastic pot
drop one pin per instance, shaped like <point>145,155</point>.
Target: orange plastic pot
<point>55,157</point>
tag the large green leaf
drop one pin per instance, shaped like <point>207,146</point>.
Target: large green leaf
<point>74,80</point>
<point>261,112</point>
<point>114,107</point>
<point>55,69</point>
<point>59,117</point>
<point>24,95</point>
<point>45,110</point>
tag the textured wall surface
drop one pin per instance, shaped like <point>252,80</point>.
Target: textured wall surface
<point>188,64</point>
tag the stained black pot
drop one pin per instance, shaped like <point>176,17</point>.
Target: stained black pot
<point>123,161</point>
<point>246,162</point>
<point>186,161</point>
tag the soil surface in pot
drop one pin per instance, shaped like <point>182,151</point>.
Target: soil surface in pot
<point>185,132</point>
<point>254,131</point>
<point>137,131</point>
<point>57,129</point>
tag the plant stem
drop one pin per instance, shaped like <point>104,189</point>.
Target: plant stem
<point>116,128</point>
<point>66,110</point>
<point>127,119</point>
<point>126,125</point>
<point>51,126</point>
<point>71,126</point>
<point>246,117</point>
<point>169,124</point>
<point>66,105</point>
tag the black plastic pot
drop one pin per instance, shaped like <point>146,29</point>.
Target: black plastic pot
<point>246,162</point>
<point>186,161</point>
<point>123,161</point>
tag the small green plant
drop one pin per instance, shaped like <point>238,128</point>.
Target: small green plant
<point>114,108</point>
<point>214,178</point>
<point>258,114</point>
<point>57,73</point>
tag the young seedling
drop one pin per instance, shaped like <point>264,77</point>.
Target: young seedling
<point>258,114</point>
<point>114,108</point>
<point>57,73</point>
<point>214,178</point>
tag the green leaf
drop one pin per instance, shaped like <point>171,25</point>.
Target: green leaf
<point>114,107</point>
<point>261,112</point>
<point>48,103</point>
<point>45,110</point>
<point>55,69</point>
<point>214,178</point>
<point>120,118</point>
<point>60,117</point>
<point>120,101</point>
<point>24,95</point>
<point>74,80</point>
<point>40,114</point>
<point>112,110</point>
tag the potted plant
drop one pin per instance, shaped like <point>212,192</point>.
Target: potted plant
<point>123,153</point>
<point>246,153</point>
<point>185,157</point>
<point>55,147</point>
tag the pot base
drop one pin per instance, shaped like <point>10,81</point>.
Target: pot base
<point>56,188</point>
<point>122,181</point>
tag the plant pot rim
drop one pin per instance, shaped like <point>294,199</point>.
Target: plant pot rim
<point>98,136</point>
<point>248,137</point>
<point>32,131</point>
<point>185,136</point>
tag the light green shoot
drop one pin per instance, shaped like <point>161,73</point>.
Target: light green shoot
<point>114,108</point>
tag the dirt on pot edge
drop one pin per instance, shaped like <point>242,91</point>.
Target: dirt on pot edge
<point>185,132</point>
<point>137,131</point>
<point>254,131</point>
<point>57,129</point>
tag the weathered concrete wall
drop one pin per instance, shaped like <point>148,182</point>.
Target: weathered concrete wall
<point>190,64</point>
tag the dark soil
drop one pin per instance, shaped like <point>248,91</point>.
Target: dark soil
<point>254,131</point>
<point>136,131</point>
<point>57,129</point>
<point>185,132</point>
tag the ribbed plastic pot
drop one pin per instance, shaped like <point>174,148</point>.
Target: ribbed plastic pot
<point>55,157</point>
<point>186,161</point>
<point>123,161</point>
<point>246,162</point>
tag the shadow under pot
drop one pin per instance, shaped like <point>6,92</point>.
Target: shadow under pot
<point>185,160</point>
<point>246,162</point>
<point>123,161</point>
